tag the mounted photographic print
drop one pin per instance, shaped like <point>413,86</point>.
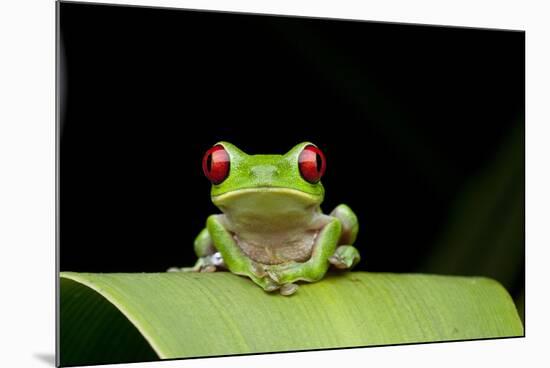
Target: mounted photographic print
<point>233,183</point>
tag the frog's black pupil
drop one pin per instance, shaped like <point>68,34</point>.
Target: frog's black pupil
<point>318,161</point>
<point>209,162</point>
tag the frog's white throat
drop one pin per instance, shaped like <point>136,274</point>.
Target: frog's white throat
<point>268,205</point>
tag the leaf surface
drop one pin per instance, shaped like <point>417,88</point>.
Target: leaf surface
<point>123,317</point>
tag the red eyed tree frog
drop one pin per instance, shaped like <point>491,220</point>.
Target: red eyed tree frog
<point>272,229</point>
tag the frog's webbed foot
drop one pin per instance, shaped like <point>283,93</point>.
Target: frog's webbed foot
<point>270,280</point>
<point>259,273</point>
<point>274,279</point>
<point>345,257</point>
<point>209,263</point>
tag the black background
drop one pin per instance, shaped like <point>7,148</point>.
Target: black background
<point>421,126</point>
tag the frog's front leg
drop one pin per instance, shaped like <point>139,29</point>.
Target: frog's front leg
<point>315,268</point>
<point>235,260</point>
<point>346,255</point>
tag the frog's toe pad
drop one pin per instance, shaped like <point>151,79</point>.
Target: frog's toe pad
<point>340,262</point>
<point>288,289</point>
<point>270,286</point>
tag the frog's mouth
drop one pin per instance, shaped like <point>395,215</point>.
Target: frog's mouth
<point>268,199</point>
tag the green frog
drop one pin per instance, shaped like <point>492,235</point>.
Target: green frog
<point>272,229</point>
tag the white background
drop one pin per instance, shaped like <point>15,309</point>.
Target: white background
<point>27,203</point>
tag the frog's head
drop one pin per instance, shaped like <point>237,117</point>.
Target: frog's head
<point>265,182</point>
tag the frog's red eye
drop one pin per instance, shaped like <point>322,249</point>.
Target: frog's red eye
<point>215,164</point>
<point>312,164</point>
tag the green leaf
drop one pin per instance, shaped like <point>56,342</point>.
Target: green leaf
<point>485,228</point>
<point>131,317</point>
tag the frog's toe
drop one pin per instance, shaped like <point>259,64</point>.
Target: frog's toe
<point>340,263</point>
<point>258,270</point>
<point>208,268</point>
<point>265,282</point>
<point>345,257</point>
<point>270,286</point>
<point>288,289</point>
<point>195,268</point>
<point>274,275</point>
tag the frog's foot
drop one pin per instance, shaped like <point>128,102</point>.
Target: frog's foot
<point>277,274</point>
<point>274,275</point>
<point>272,279</point>
<point>209,263</point>
<point>269,285</point>
<point>176,269</point>
<point>286,274</point>
<point>258,270</point>
<point>264,281</point>
<point>345,257</point>
<point>288,289</point>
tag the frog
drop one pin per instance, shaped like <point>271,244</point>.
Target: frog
<point>271,228</point>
